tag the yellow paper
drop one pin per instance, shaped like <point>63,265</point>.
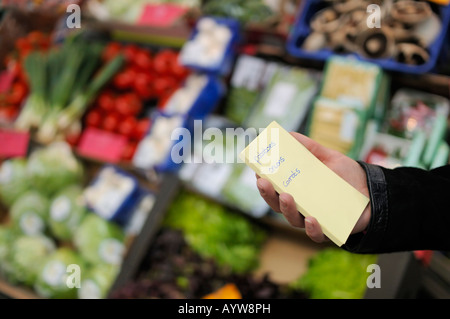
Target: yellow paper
<point>317,191</point>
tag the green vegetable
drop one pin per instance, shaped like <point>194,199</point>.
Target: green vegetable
<point>100,241</point>
<point>245,11</point>
<point>52,168</point>
<point>97,282</point>
<point>63,82</point>
<point>335,274</point>
<point>67,210</point>
<point>13,180</point>
<point>29,213</point>
<point>76,108</point>
<point>53,279</point>
<point>27,255</point>
<point>7,236</point>
<point>214,232</point>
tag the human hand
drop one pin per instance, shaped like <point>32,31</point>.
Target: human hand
<point>342,165</point>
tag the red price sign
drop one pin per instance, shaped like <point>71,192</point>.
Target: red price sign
<point>101,145</point>
<point>13,143</point>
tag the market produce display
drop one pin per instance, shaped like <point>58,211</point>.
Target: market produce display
<point>335,274</point>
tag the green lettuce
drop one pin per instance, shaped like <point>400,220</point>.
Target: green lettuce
<point>67,210</point>
<point>100,241</point>
<point>29,213</point>
<point>13,180</point>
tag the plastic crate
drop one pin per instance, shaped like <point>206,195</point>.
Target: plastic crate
<point>224,66</point>
<point>301,30</point>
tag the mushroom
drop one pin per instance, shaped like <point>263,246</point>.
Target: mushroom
<point>376,43</point>
<point>326,20</point>
<point>315,41</point>
<point>410,12</point>
<point>427,30</point>
<point>410,53</point>
<point>349,5</point>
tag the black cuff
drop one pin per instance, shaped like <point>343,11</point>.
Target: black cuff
<point>369,241</point>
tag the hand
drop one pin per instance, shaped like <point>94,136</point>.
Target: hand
<point>342,165</point>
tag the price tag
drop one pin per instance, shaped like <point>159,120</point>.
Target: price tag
<point>6,79</point>
<point>101,145</point>
<point>161,15</point>
<point>13,143</point>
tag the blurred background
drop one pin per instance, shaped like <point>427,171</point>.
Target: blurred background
<point>91,91</point>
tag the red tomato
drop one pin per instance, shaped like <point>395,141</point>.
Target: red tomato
<point>130,51</point>
<point>141,129</point>
<point>163,61</point>
<point>129,150</point>
<point>164,86</point>
<point>111,122</point>
<point>128,104</point>
<point>111,50</point>
<point>179,71</point>
<point>106,101</point>
<point>143,85</point>
<point>127,126</point>
<point>143,60</point>
<point>17,93</point>
<point>8,113</point>
<point>124,79</point>
<point>94,118</point>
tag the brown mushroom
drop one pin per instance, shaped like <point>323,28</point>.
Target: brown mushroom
<point>376,43</point>
<point>410,12</point>
<point>409,53</point>
<point>326,20</point>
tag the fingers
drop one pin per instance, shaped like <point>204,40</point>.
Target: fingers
<point>268,193</point>
<point>314,231</point>
<point>284,203</point>
<point>290,212</point>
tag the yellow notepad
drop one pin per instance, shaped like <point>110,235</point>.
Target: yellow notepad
<point>317,191</point>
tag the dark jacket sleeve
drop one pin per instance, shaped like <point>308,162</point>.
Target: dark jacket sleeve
<point>410,210</point>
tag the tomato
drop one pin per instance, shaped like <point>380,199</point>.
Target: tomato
<point>130,51</point>
<point>164,85</point>
<point>163,61</point>
<point>111,122</point>
<point>111,50</point>
<point>17,93</point>
<point>141,129</point>
<point>8,113</point>
<point>143,85</point>
<point>143,60</point>
<point>124,79</point>
<point>128,104</point>
<point>127,126</point>
<point>179,71</point>
<point>94,118</point>
<point>129,150</point>
<point>106,101</point>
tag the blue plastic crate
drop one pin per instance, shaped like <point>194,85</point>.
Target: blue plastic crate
<point>121,213</point>
<point>207,99</point>
<point>225,65</point>
<point>301,30</point>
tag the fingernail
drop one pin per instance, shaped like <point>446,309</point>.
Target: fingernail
<point>308,224</point>
<point>282,201</point>
<point>260,188</point>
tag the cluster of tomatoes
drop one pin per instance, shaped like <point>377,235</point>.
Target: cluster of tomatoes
<point>15,86</point>
<point>146,77</point>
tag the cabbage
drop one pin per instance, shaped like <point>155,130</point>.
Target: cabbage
<point>6,240</point>
<point>53,279</point>
<point>98,281</point>
<point>29,213</point>
<point>52,168</point>
<point>26,255</point>
<point>66,212</point>
<point>100,241</point>
<point>13,180</point>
